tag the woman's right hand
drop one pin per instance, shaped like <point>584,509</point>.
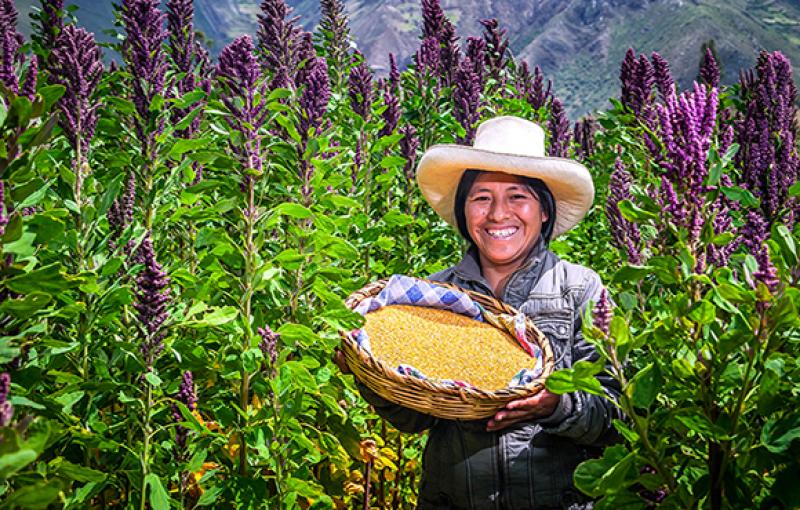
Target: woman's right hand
<point>338,358</point>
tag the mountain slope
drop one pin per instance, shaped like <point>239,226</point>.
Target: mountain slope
<point>578,43</point>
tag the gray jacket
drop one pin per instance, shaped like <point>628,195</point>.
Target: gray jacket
<point>529,465</point>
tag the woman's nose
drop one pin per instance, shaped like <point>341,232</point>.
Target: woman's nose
<point>498,210</point>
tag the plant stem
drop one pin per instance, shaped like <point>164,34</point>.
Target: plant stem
<point>244,390</point>
<point>145,459</point>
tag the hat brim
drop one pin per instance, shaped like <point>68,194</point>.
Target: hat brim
<point>441,167</point>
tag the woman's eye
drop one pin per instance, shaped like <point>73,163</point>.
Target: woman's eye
<point>480,199</point>
<point>519,197</point>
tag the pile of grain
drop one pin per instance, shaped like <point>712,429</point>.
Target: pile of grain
<point>445,345</point>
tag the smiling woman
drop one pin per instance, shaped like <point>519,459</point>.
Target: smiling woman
<point>507,200</point>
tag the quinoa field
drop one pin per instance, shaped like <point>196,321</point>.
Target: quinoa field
<point>178,234</point>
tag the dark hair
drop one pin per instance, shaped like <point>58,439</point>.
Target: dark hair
<point>537,186</point>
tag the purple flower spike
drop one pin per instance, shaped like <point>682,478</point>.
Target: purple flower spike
<point>767,135</point>
<point>585,130</point>
<point>75,63</point>
<point>360,87</point>
<point>766,273</point>
<point>433,18</point>
<point>662,76</point>
<point>269,347</point>
<point>315,96</point>
<point>427,58</point>
<point>391,114</point>
<point>709,69</point>
<point>147,63</point>
<point>29,86</point>
<point>3,210</point>
<point>466,96</point>
<point>602,313</point>
<point>10,42</point>
<point>187,396</point>
<point>6,409</point>
<point>558,125</point>
<point>52,21</point>
<point>496,47</point>
<point>534,90</point>
<point>336,31</point>
<point>637,77</point>
<point>239,73</point>
<point>476,52</point>
<point>408,148</point>
<point>394,74</point>
<point>283,45</point>
<point>624,234</point>
<point>152,296</point>
<point>180,24</point>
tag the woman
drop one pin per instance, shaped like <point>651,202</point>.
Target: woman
<point>508,200</point>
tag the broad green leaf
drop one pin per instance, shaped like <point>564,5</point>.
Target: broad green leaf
<point>645,385</point>
<point>51,94</point>
<point>76,472</point>
<point>292,210</point>
<point>741,195</point>
<point>216,317</point>
<point>581,377</point>
<point>35,496</point>
<point>397,219</point>
<point>210,496</point>
<point>703,312</point>
<point>26,306</point>
<point>10,463</point>
<point>782,236</point>
<point>629,273</point>
<point>779,433</point>
<point>48,279</point>
<point>154,380</point>
<point>183,146</point>
<point>158,497</point>
<point>634,213</point>
<point>606,474</point>
<point>189,99</point>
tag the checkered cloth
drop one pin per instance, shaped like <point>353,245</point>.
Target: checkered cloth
<point>405,290</point>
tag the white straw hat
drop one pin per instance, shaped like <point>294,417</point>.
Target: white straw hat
<point>510,145</point>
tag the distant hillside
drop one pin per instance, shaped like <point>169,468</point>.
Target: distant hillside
<point>578,43</point>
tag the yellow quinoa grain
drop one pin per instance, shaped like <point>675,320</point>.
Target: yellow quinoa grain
<point>445,345</point>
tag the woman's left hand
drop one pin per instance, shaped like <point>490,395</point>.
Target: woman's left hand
<point>540,405</point>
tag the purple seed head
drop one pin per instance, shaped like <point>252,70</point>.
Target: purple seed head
<point>391,114</point>
<point>662,75</point>
<point>6,409</point>
<point>427,58</point>
<point>602,313</point>
<point>334,24</point>
<point>269,345</point>
<point>283,45</point>
<point>433,18</point>
<point>52,21</point>
<point>624,234</point>
<point>360,86</point>
<point>540,94</point>
<point>152,296</point>
<point>394,74</point>
<point>766,272</point>
<point>496,46</point>
<point>466,99</point>
<point>558,126</point>
<point>75,63</point>
<point>29,85</point>
<point>315,96</point>
<point>146,60</point>
<point>585,130</point>
<point>709,69</point>
<point>182,44</point>
<point>476,52</point>
<point>3,211</point>
<point>408,149</point>
<point>187,396</point>
<point>10,42</point>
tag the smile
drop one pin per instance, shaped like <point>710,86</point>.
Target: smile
<point>504,233</point>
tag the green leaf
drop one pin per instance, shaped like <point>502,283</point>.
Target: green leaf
<point>703,312</point>
<point>154,380</point>
<point>189,99</point>
<point>34,496</point>
<point>702,425</point>
<point>158,498</point>
<point>397,219</point>
<point>778,434</point>
<point>48,279</point>
<point>10,463</point>
<point>68,400</point>
<point>182,146</point>
<point>210,496</point>
<point>76,472</point>
<point>392,161</point>
<point>581,377</point>
<point>741,195</point>
<point>607,474</point>
<point>26,306</point>
<point>629,273</point>
<point>51,94</point>
<point>634,213</point>
<point>292,210</point>
<point>34,198</point>
<point>794,190</point>
<point>645,385</point>
<point>216,317</point>
<point>620,332</point>
<point>782,236</point>
<point>297,335</point>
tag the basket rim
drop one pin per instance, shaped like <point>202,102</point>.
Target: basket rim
<point>465,393</point>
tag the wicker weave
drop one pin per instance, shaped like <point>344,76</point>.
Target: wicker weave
<point>431,397</point>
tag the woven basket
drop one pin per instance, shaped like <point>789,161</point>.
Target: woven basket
<point>426,396</point>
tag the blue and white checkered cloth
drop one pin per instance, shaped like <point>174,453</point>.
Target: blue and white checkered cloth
<point>405,290</point>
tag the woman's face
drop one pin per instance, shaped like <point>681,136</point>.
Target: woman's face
<point>504,218</point>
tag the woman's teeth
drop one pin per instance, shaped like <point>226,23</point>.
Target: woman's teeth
<point>503,233</point>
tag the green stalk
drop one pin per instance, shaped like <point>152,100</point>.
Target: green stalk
<point>246,310</point>
<point>145,459</point>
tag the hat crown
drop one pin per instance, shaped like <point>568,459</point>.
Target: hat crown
<point>510,135</point>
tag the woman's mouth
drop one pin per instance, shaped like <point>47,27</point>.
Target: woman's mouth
<point>501,233</point>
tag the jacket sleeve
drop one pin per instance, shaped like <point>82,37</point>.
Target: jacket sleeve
<point>586,419</point>
<point>402,418</point>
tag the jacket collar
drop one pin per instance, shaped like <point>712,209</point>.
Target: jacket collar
<point>469,269</point>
